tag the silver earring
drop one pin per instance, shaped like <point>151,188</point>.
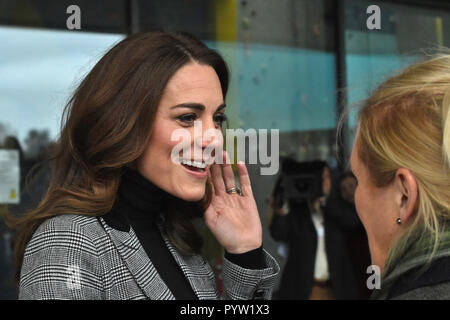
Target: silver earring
<point>399,221</point>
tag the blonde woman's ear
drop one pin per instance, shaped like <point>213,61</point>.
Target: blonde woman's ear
<point>407,186</point>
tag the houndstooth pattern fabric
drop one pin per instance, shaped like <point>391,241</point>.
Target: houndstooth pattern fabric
<point>82,258</point>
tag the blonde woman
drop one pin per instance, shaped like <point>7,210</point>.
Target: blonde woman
<point>401,161</point>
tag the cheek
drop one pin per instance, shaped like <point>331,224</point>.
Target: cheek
<point>161,143</point>
<point>372,209</point>
<point>156,159</point>
<point>360,204</point>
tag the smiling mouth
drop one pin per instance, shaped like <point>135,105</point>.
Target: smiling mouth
<point>198,166</point>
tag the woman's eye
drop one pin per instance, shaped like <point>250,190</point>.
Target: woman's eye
<point>187,118</point>
<point>220,119</point>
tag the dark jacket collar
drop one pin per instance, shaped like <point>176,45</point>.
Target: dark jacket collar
<point>412,268</point>
<point>437,272</point>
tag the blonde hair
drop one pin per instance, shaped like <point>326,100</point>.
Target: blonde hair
<point>405,124</point>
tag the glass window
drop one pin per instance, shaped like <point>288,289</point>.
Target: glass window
<point>408,33</point>
<point>95,15</point>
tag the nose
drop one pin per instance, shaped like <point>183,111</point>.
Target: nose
<point>208,136</point>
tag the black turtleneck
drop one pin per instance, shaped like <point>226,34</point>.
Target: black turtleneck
<point>140,204</point>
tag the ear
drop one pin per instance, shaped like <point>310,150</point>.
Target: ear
<point>407,193</point>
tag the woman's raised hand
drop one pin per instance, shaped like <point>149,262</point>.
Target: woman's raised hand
<point>233,218</point>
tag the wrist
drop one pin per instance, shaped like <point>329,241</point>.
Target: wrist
<point>253,259</point>
<point>244,249</point>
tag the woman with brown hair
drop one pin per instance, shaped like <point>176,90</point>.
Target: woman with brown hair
<point>116,221</point>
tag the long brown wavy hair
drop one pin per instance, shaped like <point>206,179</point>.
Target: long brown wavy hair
<point>105,128</point>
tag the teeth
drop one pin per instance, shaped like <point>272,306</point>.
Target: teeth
<point>196,164</point>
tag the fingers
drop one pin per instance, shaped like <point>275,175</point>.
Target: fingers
<point>227,180</point>
<point>244,179</point>
<point>217,180</point>
<point>228,174</point>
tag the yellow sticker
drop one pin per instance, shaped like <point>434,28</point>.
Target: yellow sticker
<point>12,194</point>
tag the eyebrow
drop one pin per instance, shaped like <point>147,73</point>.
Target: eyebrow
<point>196,106</point>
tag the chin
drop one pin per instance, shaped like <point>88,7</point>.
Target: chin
<point>192,195</point>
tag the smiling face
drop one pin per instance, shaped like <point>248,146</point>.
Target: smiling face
<point>193,94</point>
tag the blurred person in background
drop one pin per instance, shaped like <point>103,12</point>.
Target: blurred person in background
<point>342,201</point>
<point>401,159</point>
<point>318,265</point>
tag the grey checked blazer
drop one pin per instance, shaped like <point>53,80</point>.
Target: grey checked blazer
<point>81,257</point>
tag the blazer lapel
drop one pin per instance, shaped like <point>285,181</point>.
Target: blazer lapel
<point>139,264</point>
<point>195,269</point>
